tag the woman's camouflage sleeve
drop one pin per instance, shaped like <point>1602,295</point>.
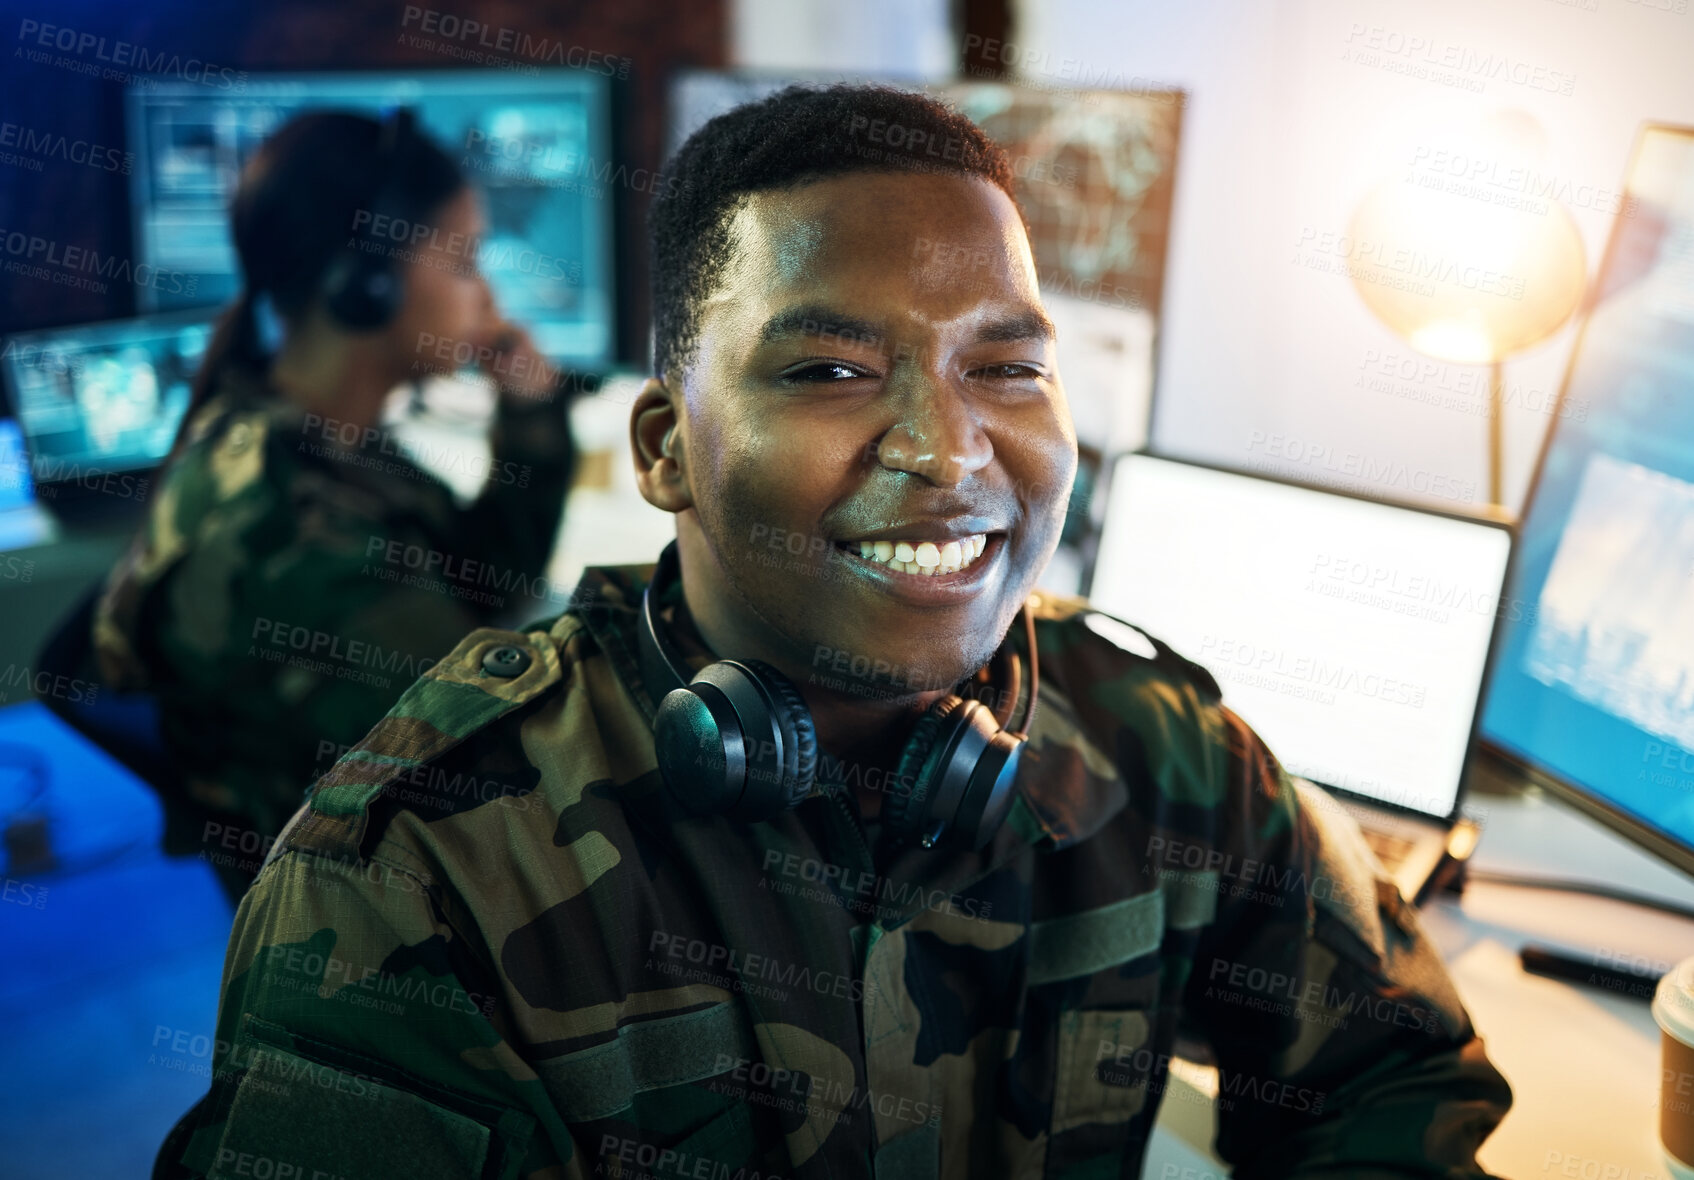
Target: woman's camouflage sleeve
<point>286,599</point>
<point>511,526</point>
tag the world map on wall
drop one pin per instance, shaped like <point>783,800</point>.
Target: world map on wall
<point>1095,170</point>
<point>1095,177</point>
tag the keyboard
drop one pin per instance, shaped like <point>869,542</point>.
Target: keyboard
<point>1390,850</point>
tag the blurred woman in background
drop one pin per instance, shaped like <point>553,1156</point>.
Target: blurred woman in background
<point>296,571</point>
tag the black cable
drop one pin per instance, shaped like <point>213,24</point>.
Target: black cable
<point>133,852</point>
<point>38,772</point>
<point>1034,670</point>
<point>1593,889</point>
<point>17,756</point>
<point>38,781</point>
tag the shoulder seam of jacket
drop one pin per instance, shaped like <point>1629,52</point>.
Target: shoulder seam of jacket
<point>420,728</point>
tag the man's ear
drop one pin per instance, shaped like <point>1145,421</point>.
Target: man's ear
<point>655,438</point>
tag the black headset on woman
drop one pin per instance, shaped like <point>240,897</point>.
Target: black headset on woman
<point>361,287</point>
<point>736,739</point>
<point>289,223</point>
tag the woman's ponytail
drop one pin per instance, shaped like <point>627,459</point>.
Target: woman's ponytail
<point>236,344</point>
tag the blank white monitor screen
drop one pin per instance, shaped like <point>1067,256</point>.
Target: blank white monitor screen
<point>1351,635</point>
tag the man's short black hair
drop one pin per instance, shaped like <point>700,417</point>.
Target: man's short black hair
<point>797,135</point>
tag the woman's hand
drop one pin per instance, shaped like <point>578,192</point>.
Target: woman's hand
<point>518,369</point>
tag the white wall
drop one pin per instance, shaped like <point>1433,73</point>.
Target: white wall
<point>1285,134</point>
<point>901,38</point>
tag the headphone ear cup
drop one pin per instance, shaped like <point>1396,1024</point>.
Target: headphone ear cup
<point>360,292</point>
<point>905,810</point>
<point>795,722</point>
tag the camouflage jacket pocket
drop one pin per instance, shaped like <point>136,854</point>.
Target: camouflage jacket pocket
<point>658,1054</point>
<point>1102,1067</point>
<point>647,1144</point>
<point>301,1107</point>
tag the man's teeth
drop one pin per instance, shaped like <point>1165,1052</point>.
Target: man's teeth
<point>925,557</point>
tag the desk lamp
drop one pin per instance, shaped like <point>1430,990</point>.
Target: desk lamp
<point>1466,263</point>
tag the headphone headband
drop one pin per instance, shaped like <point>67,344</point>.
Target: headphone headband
<point>360,287</point>
<point>396,122</point>
<point>662,662</point>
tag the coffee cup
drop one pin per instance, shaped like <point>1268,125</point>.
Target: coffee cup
<point>1673,1009</point>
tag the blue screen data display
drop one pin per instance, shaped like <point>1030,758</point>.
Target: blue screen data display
<point>1594,677</point>
<point>537,145</point>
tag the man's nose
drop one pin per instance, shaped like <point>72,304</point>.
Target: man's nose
<point>936,434</point>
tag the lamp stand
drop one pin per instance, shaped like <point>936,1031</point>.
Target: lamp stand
<point>1496,400</point>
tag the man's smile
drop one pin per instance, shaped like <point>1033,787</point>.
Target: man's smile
<point>944,583</point>
<point>922,558</point>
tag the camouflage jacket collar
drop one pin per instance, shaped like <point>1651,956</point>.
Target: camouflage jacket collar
<point>1062,798</point>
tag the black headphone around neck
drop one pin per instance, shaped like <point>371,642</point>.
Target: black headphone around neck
<point>737,739</point>
<point>362,288</point>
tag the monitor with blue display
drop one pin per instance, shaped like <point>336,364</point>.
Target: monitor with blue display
<point>17,489</point>
<point>1592,689</point>
<point>102,400</point>
<point>22,522</point>
<point>538,145</point>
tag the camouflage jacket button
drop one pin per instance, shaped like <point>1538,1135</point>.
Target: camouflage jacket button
<point>505,661</point>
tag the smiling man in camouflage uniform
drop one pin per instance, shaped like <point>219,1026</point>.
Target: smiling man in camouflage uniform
<point>493,946</point>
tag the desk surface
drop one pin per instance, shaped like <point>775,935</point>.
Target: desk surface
<point>57,574</point>
<point>1583,1064</point>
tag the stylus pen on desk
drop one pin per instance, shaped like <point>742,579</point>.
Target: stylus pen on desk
<point>1540,960</point>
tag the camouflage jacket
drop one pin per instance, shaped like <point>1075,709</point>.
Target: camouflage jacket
<point>286,586</point>
<point>488,948</point>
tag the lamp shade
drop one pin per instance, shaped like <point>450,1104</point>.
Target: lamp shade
<point>1463,272</point>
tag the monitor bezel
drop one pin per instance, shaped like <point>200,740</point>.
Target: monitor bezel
<point>1675,852</point>
<point>1484,519</point>
<point>606,98</point>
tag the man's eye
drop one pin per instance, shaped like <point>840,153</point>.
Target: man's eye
<point>1009,372</point>
<point>827,371</point>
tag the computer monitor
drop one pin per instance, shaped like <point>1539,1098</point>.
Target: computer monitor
<point>537,143</point>
<point>1592,690</point>
<point>98,400</point>
<point>22,523</point>
<point>17,487</point>
<point>696,97</point>
<point>1352,635</point>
